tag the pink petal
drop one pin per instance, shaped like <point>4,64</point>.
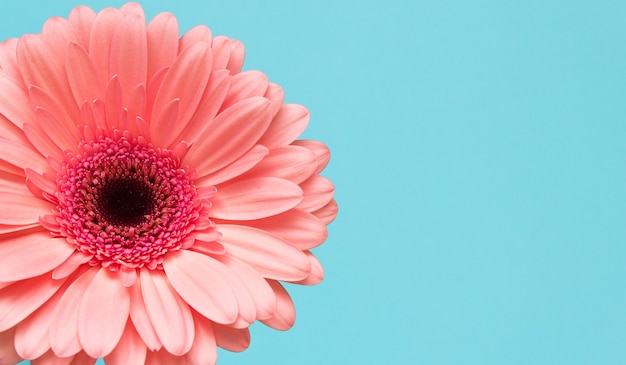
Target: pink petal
<point>255,198</point>
<point>81,18</point>
<point>203,282</point>
<point>19,300</point>
<point>50,358</point>
<point>318,191</point>
<point>163,358</point>
<point>231,134</point>
<point>63,137</point>
<point>204,350</point>
<point>140,319</point>
<point>57,33</point>
<point>300,229</point>
<point>209,105</point>
<point>185,80</point>
<point>40,183</point>
<point>237,168</point>
<point>12,184</point>
<point>322,154</point>
<point>245,85</point>
<point>31,337</point>
<point>169,314</point>
<point>102,313</point>
<point>208,248</point>
<point>231,339</point>
<point>8,60</point>
<point>196,34</point>
<point>21,156</point>
<point>40,99</point>
<point>237,55</point>
<point>102,31</point>
<point>8,355</point>
<point>130,350</point>
<point>82,75</point>
<point>42,142</point>
<point>317,271</point>
<point>276,94</point>
<point>31,254</point>
<point>70,265</point>
<point>64,327</point>
<point>25,209</point>
<point>286,126</point>
<point>220,46</point>
<point>268,254</point>
<point>285,315</point>
<point>291,163</point>
<point>10,131</point>
<point>262,293</point>
<point>129,53</point>
<point>4,229</point>
<point>14,102</point>
<point>45,72</point>
<point>327,213</point>
<point>162,42</point>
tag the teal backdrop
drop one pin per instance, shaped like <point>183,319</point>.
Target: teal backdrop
<point>479,156</point>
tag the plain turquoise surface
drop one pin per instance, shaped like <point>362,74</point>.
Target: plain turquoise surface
<point>479,156</point>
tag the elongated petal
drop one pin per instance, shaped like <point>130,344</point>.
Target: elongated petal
<point>317,271</point>
<point>318,191</point>
<point>255,198</point>
<point>203,351</point>
<point>140,319</point>
<point>129,53</point>
<point>269,255</point>
<point>19,300</point>
<point>14,102</point>
<point>81,18</point>
<point>285,315</point>
<point>130,350</point>
<point>245,85</point>
<point>102,31</point>
<point>21,156</point>
<point>162,42</point>
<point>203,283</point>
<point>199,33</point>
<point>8,355</point>
<point>237,168</point>
<point>327,213</point>
<point>185,80</point>
<point>24,209</point>
<point>231,134</point>
<point>102,313</point>
<point>286,126</point>
<point>291,163</point>
<point>319,149</point>
<point>82,75</point>
<point>231,339</point>
<point>169,314</point>
<point>301,229</point>
<point>31,254</point>
<point>64,327</point>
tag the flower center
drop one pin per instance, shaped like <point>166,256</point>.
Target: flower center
<point>126,202</point>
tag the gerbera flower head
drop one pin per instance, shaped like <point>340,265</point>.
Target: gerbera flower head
<point>154,196</point>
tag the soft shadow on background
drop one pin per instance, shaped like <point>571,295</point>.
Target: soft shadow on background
<point>479,156</point>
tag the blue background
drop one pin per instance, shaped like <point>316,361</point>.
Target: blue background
<point>479,154</point>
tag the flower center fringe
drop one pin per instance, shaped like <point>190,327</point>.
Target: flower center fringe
<point>126,203</point>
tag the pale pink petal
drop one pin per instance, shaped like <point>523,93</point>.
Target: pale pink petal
<point>102,30</point>
<point>81,18</point>
<point>57,33</point>
<point>31,254</point>
<point>12,184</point>
<point>208,247</point>
<point>56,131</point>
<point>25,209</point>
<point>276,94</point>
<point>21,156</point>
<point>237,168</point>
<point>4,229</point>
<point>203,282</point>
<point>237,55</point>
<point>14,102</point>
<point>9,130</point>
<point>262,293</point>
<point>255,198</point>
<point>38,184</point>
<point>31,336</point>
<point>19,300</point>
<point>70,265</point>
<point>129,53</point>
<point>199,33</point>
<point>136,106</point>
<point>40,99</point>
<point>286,126</point>
<point>8,60</point>
<point>128,276</point>
<point>162,34</point>
<point>130,351</point>
<point>291,163</point>
<point>185,80</point>
<point>204,350</point>
<point>245,85</point>
<point>301,229</point>
<point>140,320</point>
<point>8,169</point>
<point>169,314</point>
<point>269,255</point>
<point>285,315</point>
<point>42,142</point>
<point>64,327</point>
<point>45,72</point>
<point>322,154</point>
<point>327,213</point>
<point>102,313</point>
<point>318,191</point>
<point>220,46</point>
<point>82,75</point>
<point>317,271</point>
<point>231,339</point>
<point>209,105</point>
<point>231,134</point>
<point>8,355</point>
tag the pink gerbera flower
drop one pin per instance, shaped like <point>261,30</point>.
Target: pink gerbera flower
<point>153,195</point>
